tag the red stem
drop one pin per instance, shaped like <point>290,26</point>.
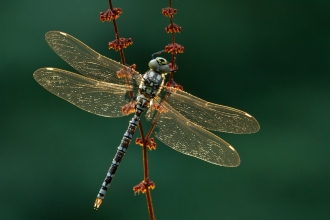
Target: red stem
<point>173,42</point>
<point>144,148</point>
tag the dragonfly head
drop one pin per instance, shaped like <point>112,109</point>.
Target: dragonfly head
<point>160,65</point>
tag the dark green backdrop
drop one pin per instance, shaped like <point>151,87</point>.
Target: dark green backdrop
<point>269,58</point>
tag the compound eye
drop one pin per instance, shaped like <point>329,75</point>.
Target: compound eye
<point>161,61</point>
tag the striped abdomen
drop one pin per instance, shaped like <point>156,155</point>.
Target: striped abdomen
<point>141,106</point>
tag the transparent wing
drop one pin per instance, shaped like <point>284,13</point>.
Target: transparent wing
<point>213,116</point>
<point>87,61</point>
<point>179,133</point>
<point>100,98</point>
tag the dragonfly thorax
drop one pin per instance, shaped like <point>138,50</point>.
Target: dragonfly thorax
<point>151,83</point>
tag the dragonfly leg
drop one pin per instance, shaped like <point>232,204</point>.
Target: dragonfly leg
<point>143,186</point>
<point>150,143</point>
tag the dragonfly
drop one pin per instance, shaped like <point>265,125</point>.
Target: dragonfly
<point>105,87</point>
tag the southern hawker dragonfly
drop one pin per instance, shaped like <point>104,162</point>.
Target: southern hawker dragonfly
<point>103,89</point>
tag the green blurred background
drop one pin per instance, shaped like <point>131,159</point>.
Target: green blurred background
<point>268,58</point>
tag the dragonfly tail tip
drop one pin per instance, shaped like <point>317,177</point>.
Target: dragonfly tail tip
<point>97,203</point>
